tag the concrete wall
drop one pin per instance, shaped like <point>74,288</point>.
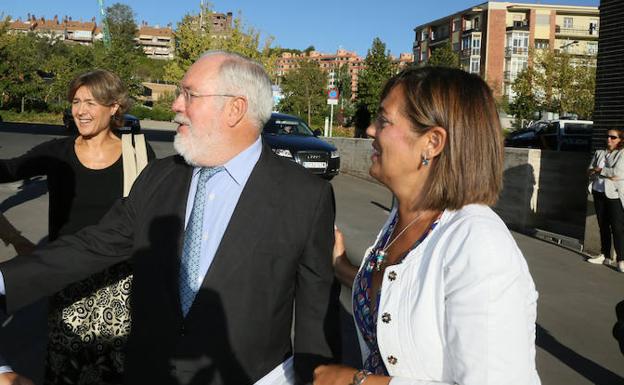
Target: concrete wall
<point>544,190</point>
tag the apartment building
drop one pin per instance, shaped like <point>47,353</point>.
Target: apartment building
<point>157,42</point>
<point>328,62</point>
<point>68,30</point>
<point>493,39</point>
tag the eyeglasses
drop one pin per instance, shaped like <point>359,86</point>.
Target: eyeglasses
<point>189,95</point>
<point>613,137</point>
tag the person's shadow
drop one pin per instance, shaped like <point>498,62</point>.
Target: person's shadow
<point>618,328</point>
<point>587,368</point>
<point>31,188</point>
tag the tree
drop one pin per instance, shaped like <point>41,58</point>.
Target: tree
<point>525,104</point>
<point>556,82</point>
<point>193,38</point>
<point>444,57</point>
<point>304,91</point>
<point>343,84</point>
<point>20,61</point>
<point>121,25</point>
<point>378,69</point>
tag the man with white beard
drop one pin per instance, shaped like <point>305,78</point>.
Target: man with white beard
<point>220,259</point>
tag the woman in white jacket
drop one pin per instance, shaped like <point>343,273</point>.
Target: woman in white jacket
<point>444,296</point>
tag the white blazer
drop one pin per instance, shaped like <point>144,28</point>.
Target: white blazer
<point>614,167</point>
<point>461,308</point>
<point>598,160</point>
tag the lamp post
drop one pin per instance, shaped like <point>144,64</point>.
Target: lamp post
<point>566,45</point>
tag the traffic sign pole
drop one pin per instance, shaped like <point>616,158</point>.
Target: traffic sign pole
<point>331,119</point>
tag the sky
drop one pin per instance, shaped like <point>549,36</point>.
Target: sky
<point>326,24</point>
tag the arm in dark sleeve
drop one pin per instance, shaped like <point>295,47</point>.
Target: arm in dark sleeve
<point>72,258</point>
<point>317,322</point>
<point>34,162</point>
<point>151,155</point>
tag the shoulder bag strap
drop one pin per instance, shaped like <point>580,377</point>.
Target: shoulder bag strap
<point>129,163</point>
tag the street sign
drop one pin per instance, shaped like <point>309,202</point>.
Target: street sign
<point>332,96</point>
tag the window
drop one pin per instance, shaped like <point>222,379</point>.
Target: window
<point>456,25</point>
<point>466,43</point>
<point>475,64</point>
<point>568,22</point>
<point>518,43</point>
<point>455,47</point>
<point>592,47</point>
<point>476,47</point>
<point>516,65</point>
<point>542,44</point>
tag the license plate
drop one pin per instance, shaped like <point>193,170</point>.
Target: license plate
<point>315,164</point>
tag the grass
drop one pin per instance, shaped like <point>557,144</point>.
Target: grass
<point>32,117</point>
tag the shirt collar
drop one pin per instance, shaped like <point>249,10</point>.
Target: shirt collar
<point>239,168</point>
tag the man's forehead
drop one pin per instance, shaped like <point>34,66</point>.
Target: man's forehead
<point>202,71</point>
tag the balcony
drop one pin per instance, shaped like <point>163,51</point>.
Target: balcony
<point>516,51</point>
<point>471,30</point>
<point>467,52</point>
<point>582,32</point>
<point>519,26</point>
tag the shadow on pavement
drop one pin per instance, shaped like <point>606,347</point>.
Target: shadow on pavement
<point>30,189</point>
<point>587,368</point>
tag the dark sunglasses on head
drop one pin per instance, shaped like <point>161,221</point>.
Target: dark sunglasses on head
<point>613,137</point>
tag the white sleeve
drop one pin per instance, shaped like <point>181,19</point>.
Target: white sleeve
<point>490,303</point>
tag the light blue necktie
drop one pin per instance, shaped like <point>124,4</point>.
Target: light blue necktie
<point>189,265</point>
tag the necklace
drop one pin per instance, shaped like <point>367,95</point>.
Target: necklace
<point>380,257</point>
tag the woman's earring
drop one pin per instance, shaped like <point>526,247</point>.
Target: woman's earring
<point>425,160</point>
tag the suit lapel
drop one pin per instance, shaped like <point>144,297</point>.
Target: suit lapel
<point>243,231</point>
<point>181,188</point>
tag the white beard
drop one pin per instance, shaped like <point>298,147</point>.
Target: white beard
<point>188,146</point>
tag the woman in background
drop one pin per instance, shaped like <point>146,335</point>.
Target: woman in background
<point>609,212</point>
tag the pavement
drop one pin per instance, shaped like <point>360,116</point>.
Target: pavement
<point>575,310</point>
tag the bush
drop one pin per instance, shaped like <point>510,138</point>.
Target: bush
<point>157,113</point>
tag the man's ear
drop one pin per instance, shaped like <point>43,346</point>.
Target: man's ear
<point>437,137</point>
<point>236,110</point>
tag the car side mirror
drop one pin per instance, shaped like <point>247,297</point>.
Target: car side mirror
<point>317,132</point>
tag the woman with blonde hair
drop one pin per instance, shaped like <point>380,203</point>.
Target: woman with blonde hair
<point>444,295</point>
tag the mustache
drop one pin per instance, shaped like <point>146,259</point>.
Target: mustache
<point>181,119</point>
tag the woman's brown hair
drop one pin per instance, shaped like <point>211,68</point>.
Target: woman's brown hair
<point>469,169</point>
<point>106,88</point>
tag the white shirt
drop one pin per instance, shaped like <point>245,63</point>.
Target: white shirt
<point>461,307</point>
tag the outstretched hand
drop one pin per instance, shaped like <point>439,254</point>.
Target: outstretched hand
<point>12,378</point>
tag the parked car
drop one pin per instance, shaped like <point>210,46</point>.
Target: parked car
<point>557,135</point>
<point>289,137</point>
<point>131,123</point>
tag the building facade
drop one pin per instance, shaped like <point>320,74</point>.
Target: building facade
<point>609,97</point>
<point>157,42</point>
<point>494,39</point>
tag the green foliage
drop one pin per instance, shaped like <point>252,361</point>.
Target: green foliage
<point>444,57</point>
<point>121,25</point>
<point>304,90</point>
<point>379,69</point>
<point>525,105</point>
<point>555,82</point>
<point>193,39</point>
<point>157,113</point>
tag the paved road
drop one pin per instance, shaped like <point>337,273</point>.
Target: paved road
<point>577,300</point>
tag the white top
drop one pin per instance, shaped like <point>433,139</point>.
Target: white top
<point>598,160</point>
<point>461,307</point>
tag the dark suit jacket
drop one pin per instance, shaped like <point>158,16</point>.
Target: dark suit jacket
<point>274,258</point>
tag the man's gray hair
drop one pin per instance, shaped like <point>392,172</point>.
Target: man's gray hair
<point>239,75</point>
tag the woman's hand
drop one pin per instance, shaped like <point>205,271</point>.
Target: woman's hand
<point>339,247</point>
<point>333,375</point>
<point>343,268</point>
